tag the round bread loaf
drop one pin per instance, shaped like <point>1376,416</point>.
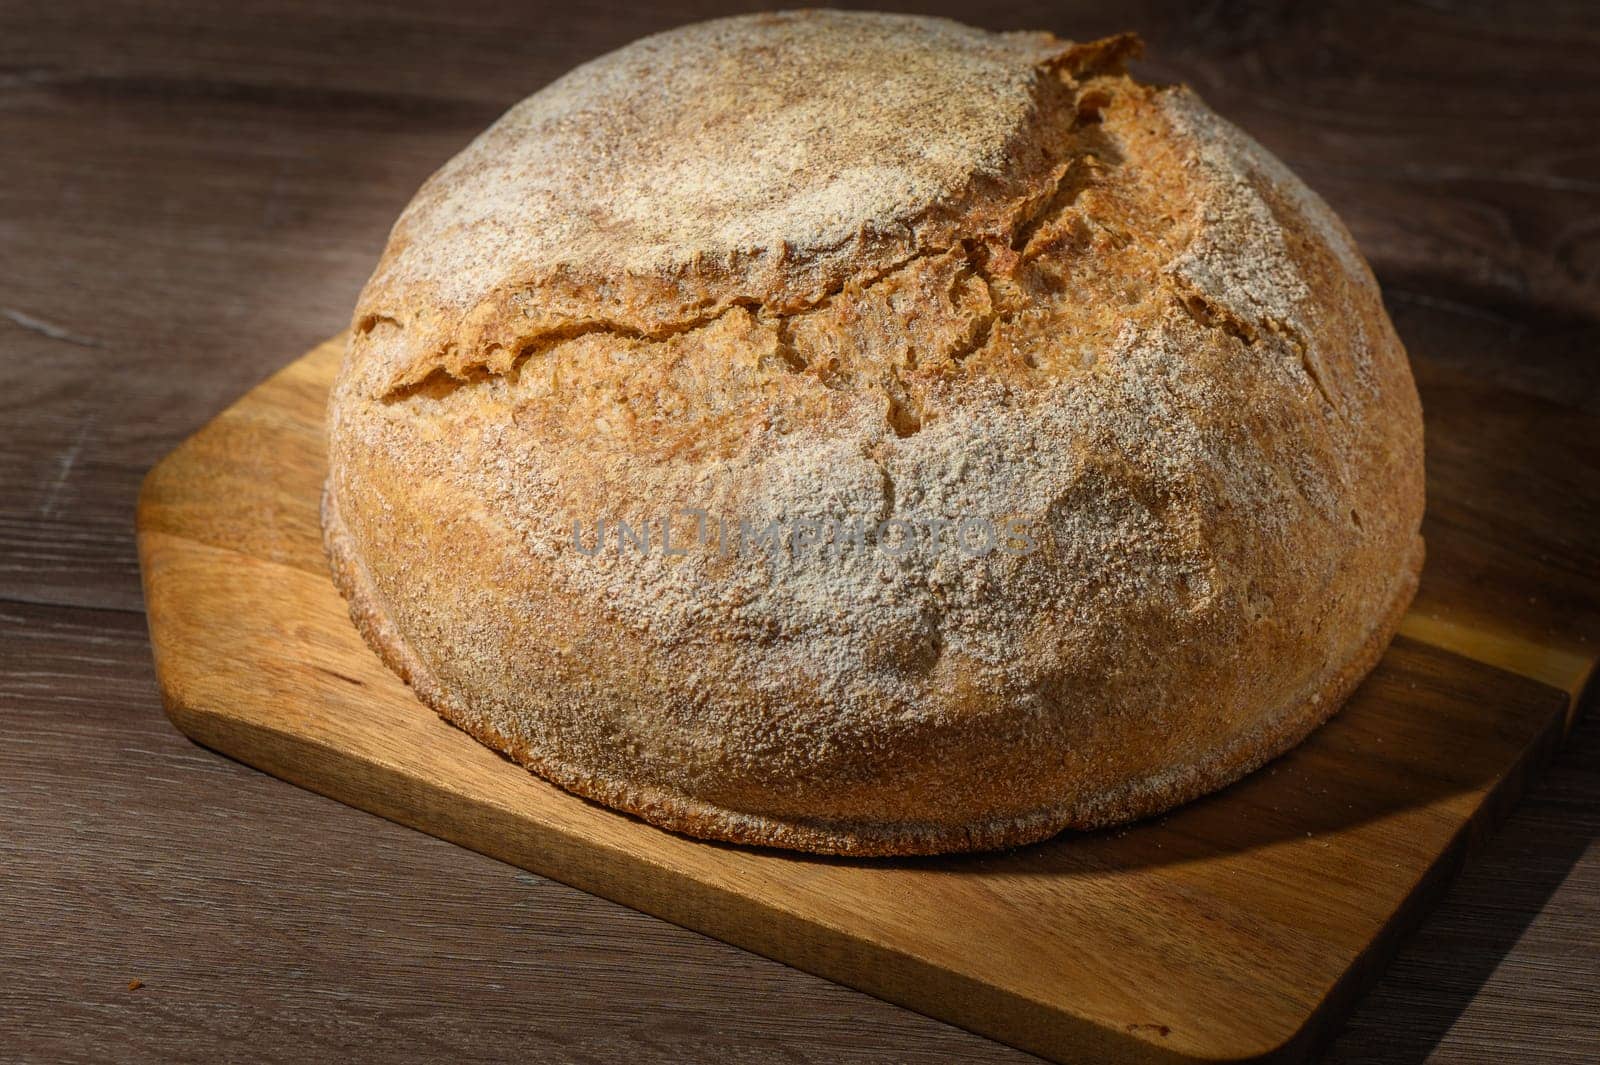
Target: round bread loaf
<point>870,435</point>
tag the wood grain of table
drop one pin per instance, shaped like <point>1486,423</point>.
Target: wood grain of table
<point>191,194</point>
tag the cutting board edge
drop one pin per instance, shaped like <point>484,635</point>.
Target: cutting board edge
<point>1070,1035</point>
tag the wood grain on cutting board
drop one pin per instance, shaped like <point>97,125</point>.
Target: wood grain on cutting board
<point>1237,927</point>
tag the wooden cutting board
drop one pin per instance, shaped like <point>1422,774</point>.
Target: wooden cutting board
<point>1237,928</point>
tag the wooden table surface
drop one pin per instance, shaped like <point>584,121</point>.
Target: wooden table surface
<point>191,195</point>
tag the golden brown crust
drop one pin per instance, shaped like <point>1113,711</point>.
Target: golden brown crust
<point>1120,323</point>
<point>1278,732</point>
<point>723,162</point>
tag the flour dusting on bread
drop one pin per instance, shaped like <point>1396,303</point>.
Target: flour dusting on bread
<point>832,268</point>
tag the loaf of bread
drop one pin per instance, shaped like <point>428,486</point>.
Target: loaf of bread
<point>866,434</point>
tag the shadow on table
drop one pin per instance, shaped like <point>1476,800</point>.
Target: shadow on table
<point>1440,969</point>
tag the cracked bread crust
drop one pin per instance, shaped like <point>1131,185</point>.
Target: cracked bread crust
<point>1081,304</point>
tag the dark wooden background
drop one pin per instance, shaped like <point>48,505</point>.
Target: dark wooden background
<point>191,195</point>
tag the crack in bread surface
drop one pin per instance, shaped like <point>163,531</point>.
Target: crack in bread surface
<point>976,171</point>
<point>1023,308</point>
<point>1086,260</point>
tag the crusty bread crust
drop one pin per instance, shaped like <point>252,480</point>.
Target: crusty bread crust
<point>1161,790</point>
<point>998,279</point>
